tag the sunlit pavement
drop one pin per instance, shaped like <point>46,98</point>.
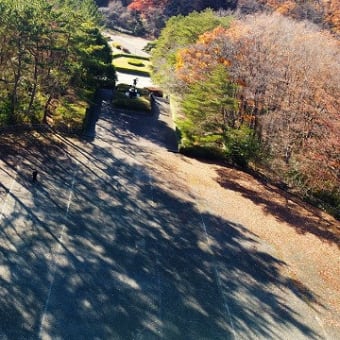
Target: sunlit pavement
<point>135,45</point>
<point>104,247</point>
<point>142,81</point>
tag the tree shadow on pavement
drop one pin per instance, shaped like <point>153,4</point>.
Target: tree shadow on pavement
<point>285,207</point>
<point>109,253</point>
<point>156,128</point>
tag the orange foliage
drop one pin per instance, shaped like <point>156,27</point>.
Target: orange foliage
<point>208,37</point>
<point>329,10</point>
<point>281,71</point>
<point>332,16</point>
<point>145,5</point>
<point>286,7</point>
<point>195,62</point>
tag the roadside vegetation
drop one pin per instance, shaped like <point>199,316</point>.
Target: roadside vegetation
<point>53,57</point>
<point>132,64</point>
<point>261,92</point>
<point>140,103</point>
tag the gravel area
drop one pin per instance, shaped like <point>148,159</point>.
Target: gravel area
<point>142,81</point>
<point>129,190</point>
<point>304,238</point>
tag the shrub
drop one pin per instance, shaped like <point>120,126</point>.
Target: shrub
<point>133,71</point>
<point>136,62</point>
<point>141,103</point>
<point>149,46</point>
<point>202,152</point>
<point>242,146</point>
<point>326,200</point>
<point>125,87</point>
<point>122,87</point>
<point>131,64</point>
<point>134,56</point>
<point>116,45</point>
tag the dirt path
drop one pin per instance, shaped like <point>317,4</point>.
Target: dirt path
<point>304,238</point>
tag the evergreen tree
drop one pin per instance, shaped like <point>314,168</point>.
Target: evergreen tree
<point>211,105</point>
<point>48,49</point>
<point>213,119</point>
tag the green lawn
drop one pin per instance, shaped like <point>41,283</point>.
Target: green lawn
<point>133,64</point>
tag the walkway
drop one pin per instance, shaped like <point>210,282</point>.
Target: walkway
<point>121,239</point>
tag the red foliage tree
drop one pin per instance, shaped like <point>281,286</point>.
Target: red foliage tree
<point>144,6</point>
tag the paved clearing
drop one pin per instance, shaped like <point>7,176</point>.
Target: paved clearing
<point>142,81</point>
<point>135,45</point>
<point>122,239</point>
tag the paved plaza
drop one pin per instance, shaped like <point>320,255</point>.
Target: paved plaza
<point>107,245</point>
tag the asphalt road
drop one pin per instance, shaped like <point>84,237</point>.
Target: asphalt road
<point>135,45</point>
<point>103,247</point>
<point>125,78</point>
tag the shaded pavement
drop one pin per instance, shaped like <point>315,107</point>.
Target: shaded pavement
<point>110,245</point>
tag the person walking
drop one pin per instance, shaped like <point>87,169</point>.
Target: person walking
<point>34,175</point>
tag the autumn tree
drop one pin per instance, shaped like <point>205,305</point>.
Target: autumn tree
<point>176,7</point>
<point>154,13</point>
<point>290,84</point>
<point>287,75</point>
<point>193,63</point>
<point>180,31</point>
<point>324,13</point>
<point>144,6</point>
<point>118,16</point>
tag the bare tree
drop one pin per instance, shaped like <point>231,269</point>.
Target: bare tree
<point>288,76</point>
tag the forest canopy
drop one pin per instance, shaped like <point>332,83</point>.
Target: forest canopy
<point>150,16</point>
<point>263,90</point>
<point>52,57</point>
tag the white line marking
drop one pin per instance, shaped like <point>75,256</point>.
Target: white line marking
<point>160,317</point>
<point>322,326</point>
<point>11,186</point>
<point>152,188</point>
<point>219,285</point>
<point>71,193</point>
<point>54,267</point>
<point>157,273</point>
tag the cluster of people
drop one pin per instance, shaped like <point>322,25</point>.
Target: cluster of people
<point>133,93</point>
